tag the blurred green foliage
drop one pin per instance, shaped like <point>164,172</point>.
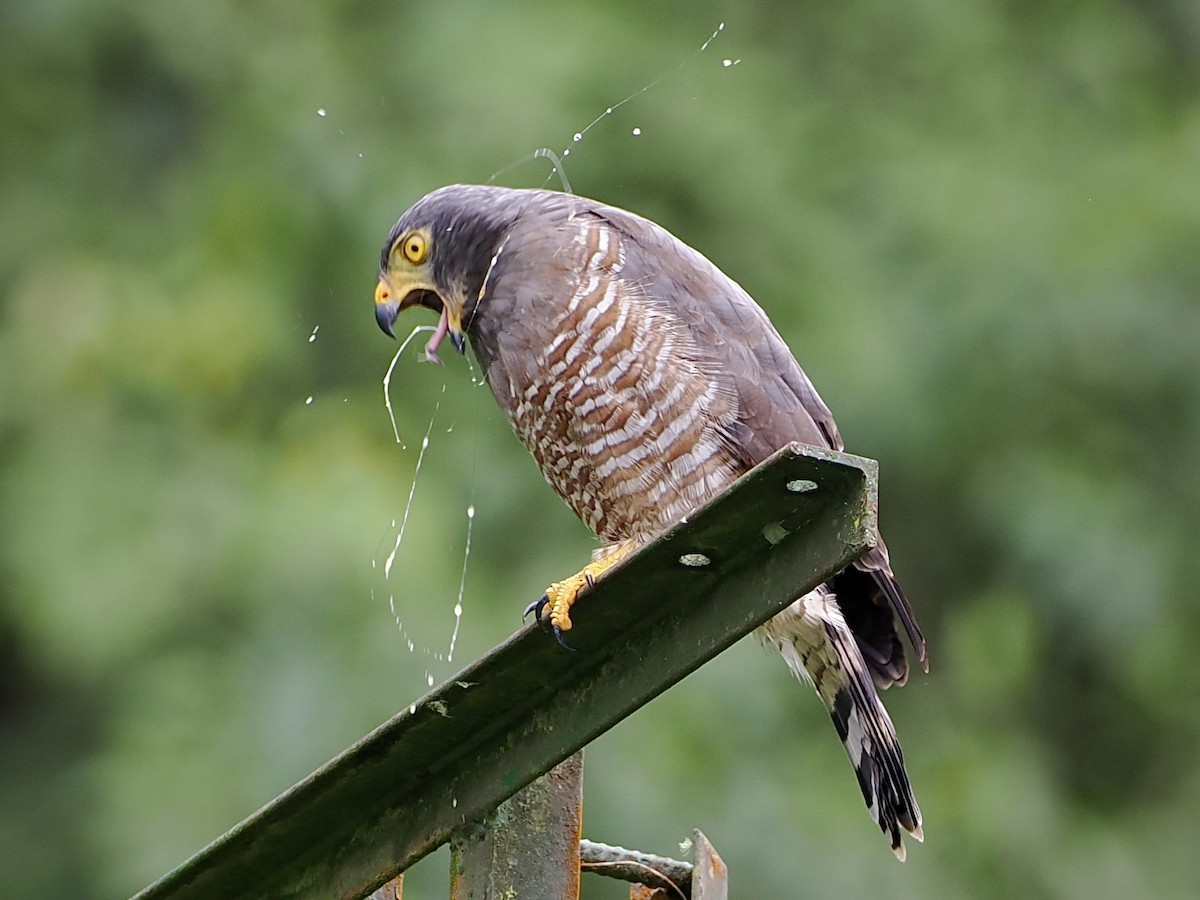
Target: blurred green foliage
<point>977,224</point>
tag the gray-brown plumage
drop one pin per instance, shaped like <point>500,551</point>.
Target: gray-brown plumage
<point>644,380</point>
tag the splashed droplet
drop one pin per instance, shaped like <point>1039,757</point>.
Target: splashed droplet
<point>774,533</point>
<point>321,111</point>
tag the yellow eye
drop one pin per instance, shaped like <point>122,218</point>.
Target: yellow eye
<point>414,247</point>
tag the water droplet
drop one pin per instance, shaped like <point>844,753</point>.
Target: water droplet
<point>308,402</point>
<point>321,111</point>
<point>608,112</point>
<point>566,153</point>
<point>471,511</point>
<point>774,533</point>
<point>454,802</point>
<point>727,63</point>
<point>458,609</point>
<point>694,560</point>
<point>312,337</point>
<point>429,680</point>
<point>424,443</point>
<point>412,710</point>
<point>636,132</point>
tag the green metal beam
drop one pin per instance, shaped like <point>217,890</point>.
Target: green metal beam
<point>512,715</point>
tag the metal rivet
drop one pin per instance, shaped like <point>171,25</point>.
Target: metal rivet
<point>695,560</point>
<point>801,486</point>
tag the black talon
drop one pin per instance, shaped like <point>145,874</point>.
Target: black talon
<point>536,608</point>
<point>590,580</point>
<point>558,637</point>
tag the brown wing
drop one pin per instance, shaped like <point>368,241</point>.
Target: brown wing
<point>777,403</point>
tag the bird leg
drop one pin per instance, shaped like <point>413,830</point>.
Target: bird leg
<point>554,607</point>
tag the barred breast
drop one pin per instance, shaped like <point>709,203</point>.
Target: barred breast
<point>621,415</point>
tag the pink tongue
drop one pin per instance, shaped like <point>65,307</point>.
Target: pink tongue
<point>435,341</point>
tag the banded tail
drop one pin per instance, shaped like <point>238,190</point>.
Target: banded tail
<point>820,648</point>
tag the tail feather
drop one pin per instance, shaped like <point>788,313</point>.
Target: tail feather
<point>818,647</point>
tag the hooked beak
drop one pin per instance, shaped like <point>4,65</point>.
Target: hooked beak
<point>388,306</point>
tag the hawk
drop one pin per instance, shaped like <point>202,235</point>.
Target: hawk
<point>644,381</point>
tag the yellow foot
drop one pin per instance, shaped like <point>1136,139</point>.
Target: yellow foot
<point>561,595</point>
<point>554,608</point>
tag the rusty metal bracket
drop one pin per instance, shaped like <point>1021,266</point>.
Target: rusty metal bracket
<point>659,877</point>
<point>509,717</point>
<point>528,846</point>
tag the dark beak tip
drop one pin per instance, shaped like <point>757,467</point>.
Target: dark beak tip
<point>385,315</point>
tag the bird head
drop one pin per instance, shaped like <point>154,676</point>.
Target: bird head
<point>437,256</point>
<point>407,279</point>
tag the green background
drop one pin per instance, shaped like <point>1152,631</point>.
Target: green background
<point>977,225</point>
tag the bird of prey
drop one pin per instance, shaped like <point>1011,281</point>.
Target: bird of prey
<point>644,381</point>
